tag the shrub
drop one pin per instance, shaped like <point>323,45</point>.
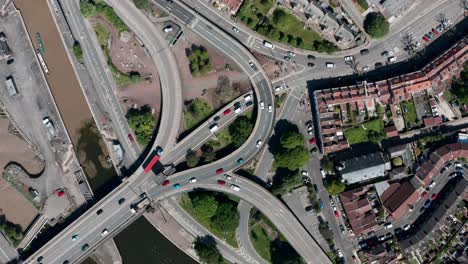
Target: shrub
<point>376,25</point>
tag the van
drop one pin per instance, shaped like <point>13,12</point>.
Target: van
<point>214,128</point>
<point>330,65</point>
<point>268,44</point>
<point>392,59</point>
<point>235,187</point>
<point>248,98</point>
<point>364,51</point>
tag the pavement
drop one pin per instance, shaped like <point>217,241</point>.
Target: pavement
<point>7,252</point>
<point>243,233</point>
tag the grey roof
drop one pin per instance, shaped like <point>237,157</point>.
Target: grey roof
<point>314,11</point>
<point>363,168</point>
<point>398,150</point>
<point>11,86</point>
<point>329,23</point>
<point>345,34</point>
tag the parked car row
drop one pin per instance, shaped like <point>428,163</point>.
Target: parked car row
<point>429,36</point>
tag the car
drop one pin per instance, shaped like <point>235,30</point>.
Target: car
<point>406,227</point>
<point>388,235</point>
<point>214,127</point>
<point>291,54</point>
<point>427,204</point>
<point>448,165</point>
<point>313,150</point>
<point>460,170</point>
<point>121,200</point>
<point>166,182</point>
<point>259,143</point>
<point>434,196</point>
<point>324,175</point>
<point>305,173</point>
<point>219,171</point>
<point>378,65</point>
<point>321,204</point>
<point>98,212</point>
<point>453,175</point>
<point>221,182</point>
<point>311,57</point>
<point>425,39</point>
<point>268,44</point>
<point>240,161</point>
<point>384,53</point>
<point>310,64</point>
<point>340,254</point>
<point>308,123</point>
<point>278,88</point>
<point>433,30</point>
<point>315,187</point>
<point>388,225</point>
<point>312,141</point>
<point>40,258</point>
<point>235,187</point>
<point>458,164</point>
<point>392,59</point>
<point>253,66</point>
<point>432,184</point>
<point>227,112</point>
<point>270,109</point>
<point>239,109</point>
<point>286,58</point>
<point>337,215</point>
<point>104,232</point>
<point>424,195</point>
<point>330,65</point>
<point>440,28</point>
<point>84,247</point>
<point>342,228</point>
<point>365,68</point>
<point>66,262</point>
<point>442,170</point>
<point>429,36</point>
<point>216,118</point>
<point>75,237</point>
<point>130,137</point>
<point>227,177</point>
<point>310,133</point>
<point>262,105</point>
<point>348,58</point>
<point>382,238</point>
<point>328,225</point>
<point>193,180</point>
<point>176,186</point>
<point>235,29</point>
<point>364,51</point>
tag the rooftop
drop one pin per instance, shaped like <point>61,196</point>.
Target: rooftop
<point>398,197</point>
<point>364,167</point>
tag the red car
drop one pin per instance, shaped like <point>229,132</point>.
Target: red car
<point>221,182</point>
<point>424,195</point>
<point>166,182</point>
<point>60,193</point>
<point>435,31</point>
<point>130,137</point>
<point>434,196</point>
<point>227,112</point>
<point>219,171</point>
<point>337,214</point>
<point>425,39</point>
<point>312,140</point>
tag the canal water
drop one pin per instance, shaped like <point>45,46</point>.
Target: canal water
<point>140,242</point>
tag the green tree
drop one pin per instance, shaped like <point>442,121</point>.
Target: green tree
<point>460,86</point>
<point>291,139</point>
<point>141,4</point>
<point>335,187</point>
<point>78,51</point>
<point>327,164</point>
<point>397,162</point>
<point>292,159</point>
<point>226,217</point>
<point>208,153</point>
<point>379,109</point>
<point>199,61</point>
<point>142,122</point>
<point>204,204</point>
<point>240,130</point>
<point>286,182</point>
<point>207,252</point>
<point>197,110</point>
<point>191,159</point>
<point>87,8</point>
<point>376,25</point>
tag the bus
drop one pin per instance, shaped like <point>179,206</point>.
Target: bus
<point>151,161</point>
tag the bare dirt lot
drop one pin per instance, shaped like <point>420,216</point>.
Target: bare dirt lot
<point>13,204</point>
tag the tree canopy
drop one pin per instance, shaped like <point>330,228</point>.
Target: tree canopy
<point>291,140</point>
<point>226,217</point>
<point>142,122</point>
<point>240,130</point>
<point>397,162</point>
<point>335,187</point>
<point>376,25</point>
<point>204,204</point>
<point>285,182</point>
<point>292,159</point>
<point>207,252</point>
<point>199,61</point>
<point>196,111</point>
<point>191,159</point>
<point>460,86</point>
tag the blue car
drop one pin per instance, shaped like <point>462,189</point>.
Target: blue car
<point>427,204</point>
<point>321,204</point>
<point>176,186</point>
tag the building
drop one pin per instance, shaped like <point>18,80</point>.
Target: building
<point>5,52</point>
<point>358,209</point>
<point>364,168</point>
<point>344,35</point>
<point>391,131</point>
<point>329,23</point>
<point>11,86</point>
<point>230,6</point>
<point>399,198</point>
<point>314,12</point>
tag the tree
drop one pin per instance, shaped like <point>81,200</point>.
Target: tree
<point>208,153</point>
<point>335,187</point>
<point>379,109</point>
<point>142,122</point>
<point>240,130</point>
<point>440,17</point>
<point>224,91</point>
<point>327,164</point>
<point>397,162</point>
<point>291,139</point>
<point>207,252</point>
<point>376,25</point>
<point>191,159</point>
<point>226,217</point>
<point>292,159</point>
<point>87,8</point>
<point>460,86</point>
<point>78,51</point>
<point>286,182</point>
<point>204,204</point>
<point>464,6</point>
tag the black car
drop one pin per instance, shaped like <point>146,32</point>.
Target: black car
<point>40,258</point>
<point>310,64</point>
<point>311,57</point>
<point>364,51</point>
<point>315,187</point>
<point>248,104</point>
<point>121,200</point>
<point>99,212</point>
<point>216,118</point>
<point>84,247</point>
<point>378,65</point>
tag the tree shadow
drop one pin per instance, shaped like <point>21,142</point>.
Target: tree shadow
<point>283,125</point>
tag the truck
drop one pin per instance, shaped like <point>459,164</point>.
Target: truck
<point>151,161</point>
<point>49,125</point>
<point>140,204</point>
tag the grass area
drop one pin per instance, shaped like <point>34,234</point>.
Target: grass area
<point>252,11</point>
<point>409,114</point>
<point>196,111</point>
<point>363,5</point>
<point>279,100</point>
<point>360,133</point>
<point>228,235</point>
<point>91,8</point>
<point>103,34</point>
<point>261,241</point>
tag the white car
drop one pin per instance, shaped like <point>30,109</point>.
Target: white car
<point>330,65</point>
<point>310,132</point>
<point>432,184</point>
<point>406,227</point>
<point>348,58</point>
<point>259,143</point>
<point>235,187</point>
<point>238,109</point>
<point>104,232</point>
<point>392,59</point>
<point>262,105</point>
<point>248,98</point>
<point>339,253</point>
<point>193,180</point>
<point>324,175</point>
<point>235,29</point>
<point>269,108</point>
<point>227,177</point>
<point>291,54</point>
<point>388,225</point>
<point>278,88</point>
<point>365,68</point>
<point>305,173</point>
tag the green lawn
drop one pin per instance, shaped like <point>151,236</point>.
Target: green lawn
<point>196,112</point>
<point>410,113</point>
<point>359,133</point>
<point>228,235</point>
<point>252,11</point>
<point>261,241</point>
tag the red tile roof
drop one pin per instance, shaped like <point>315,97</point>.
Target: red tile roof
<point>397,198</point>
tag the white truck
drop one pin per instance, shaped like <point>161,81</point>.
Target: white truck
<point>49,125</point>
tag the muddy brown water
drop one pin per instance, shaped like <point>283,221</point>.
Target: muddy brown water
<point>66,91</point>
